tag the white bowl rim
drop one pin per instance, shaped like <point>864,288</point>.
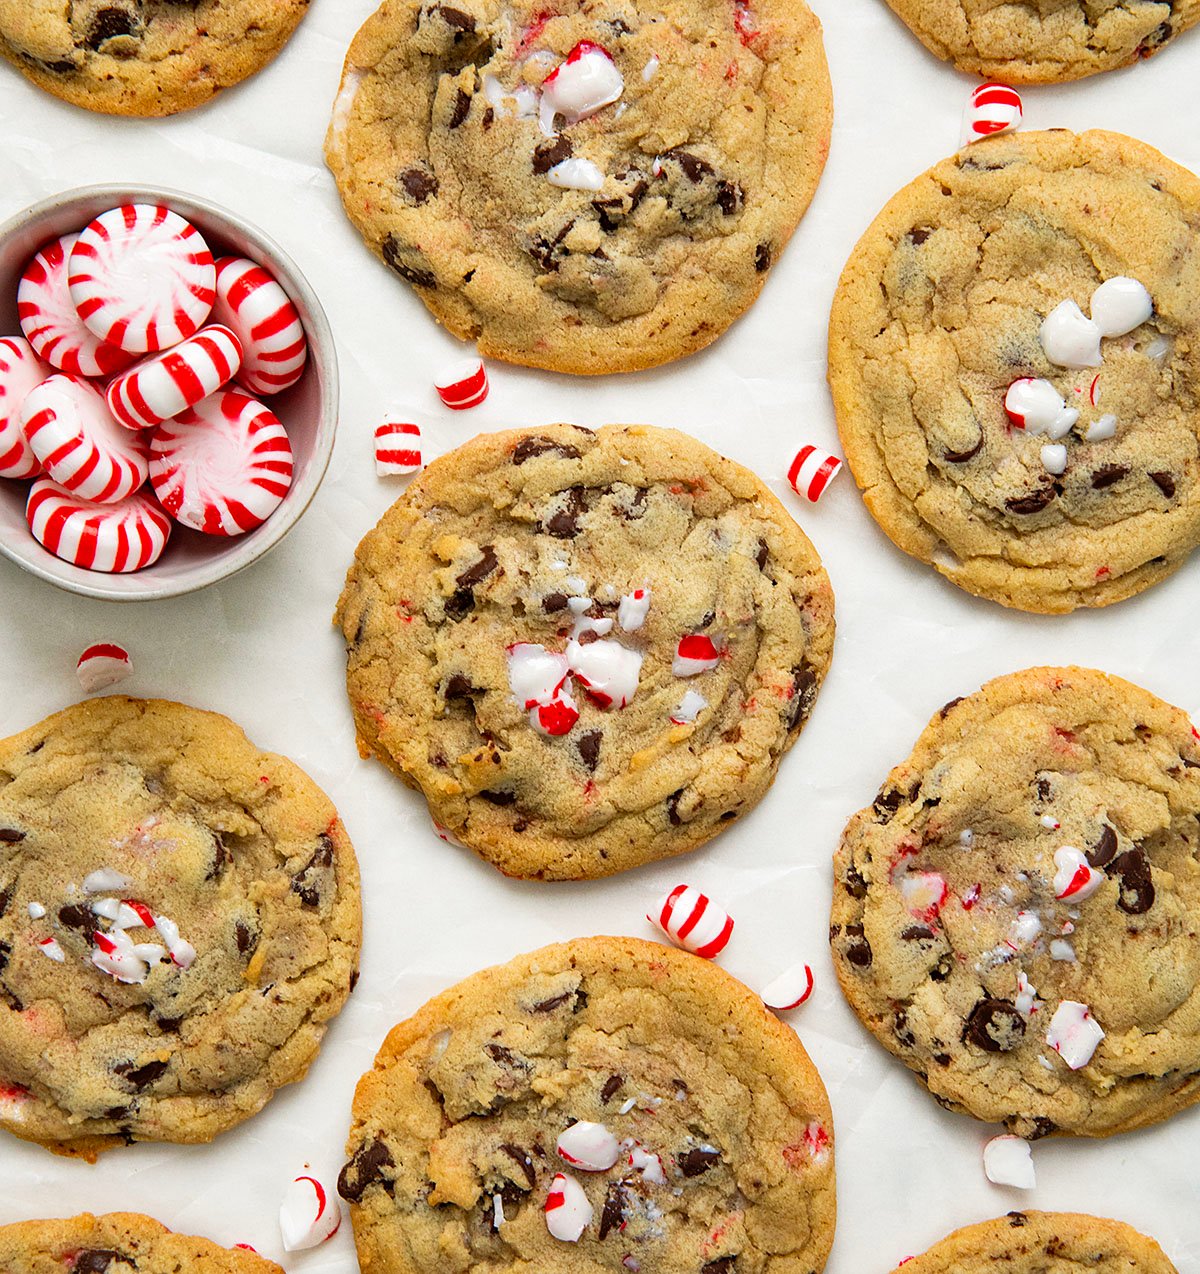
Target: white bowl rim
<point>243,551</point>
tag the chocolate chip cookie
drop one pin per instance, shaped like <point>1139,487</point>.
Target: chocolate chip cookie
<point>143,57</point>
<point>1043,1243</point>
<point>588,650</point>
<point>1045,42</point>
<point>606,1104</point>
<point>118,1243</point>
<point>179,921</point>
<point>1015,363</point>
<point>1014,916</point>
<point>594,190</point>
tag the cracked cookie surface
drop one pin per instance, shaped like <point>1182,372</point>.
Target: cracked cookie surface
<point>1037,849</point>
<point>726,1141</point>
<point>701,168</point>
<point>1043,1243</point>
<point>143,57</point>
<point>938,312</point>
<point>1045,41</point>
<point>179,921</point>
<point>541,537</point>
<point>118,1243</point>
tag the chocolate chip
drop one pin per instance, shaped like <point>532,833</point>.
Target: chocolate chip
<point>1040,1128</point>
<point>5,899</point>
<point>901,1029</point>
<point>917,235</point>
<point>804,693</point>
<point>108,24</point>
<point>462,106</point>
<point>1132,870</point>
<point>612,1086</point>
<point>854,883</point>
<point>1042,787</point>
<point>961,457</point>
<point>1155,40</point>
<point>722,1265</point>
<point>419,184</point>
<point>946,708</point>
<point>459,687</point>
<point>996,1026</point>
<point>1017,1219</point>
<point>564,524</point>
<point>1164,482</point>
<point>481,570</point>
<point>1034,502</point>
<point>498,1053</point>
<point>5,952</point>
<point>694,168</point>
<point>762,258</point>
<point>455,18</point>
<point>547,154</point>
<point>697,1161</point>
<point>521,1158</point>
<point>60,68</point>
<point>557,1001</point>
<point>760,556</point>
<point>168,1025</point>
<point>140,1077</point>
<point>75,916</point>
<point>365,1170</point>
<point>730,197</point>
<point>917,933</point>
<point>459,604</point>
<point>1105,849</point>
<point>222,857</point>
<point>95,1260</point>
<point>612,1216</point>
<point>527,448</point>
<point>637,506</point>
<point>942,970</point>
<point>857,948</point>
<point>422,278</point>
<point>306,882</point>
<point>888,802</point>
<point>11,836</point>
<point>1107,475</point>
<point>552,603</point>
<point>673,809</point>
<point>500,797</point>
<point>246,940</point>
<point>588,746</point>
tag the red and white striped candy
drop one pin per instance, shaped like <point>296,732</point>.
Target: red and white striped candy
<point>51,323</point>
<point>102,665</point>
<point>812,471</point>
<point>170,382</point>
<point>223,466</point>
<point>696,653</point>
<point>589,1146</point>
<point>142,278</point>
<point>21,371</point>
<point>79,444</point>
<point>307,1216</point>
<point>1075,877</point>
<point>397,448</point>
<point>568,1211</point>
<point>693,921</point>
<point>117,538</point>
<point>268,325</point>
<point>463,385</point>
<point>789,990</point>
<point>993,108</point>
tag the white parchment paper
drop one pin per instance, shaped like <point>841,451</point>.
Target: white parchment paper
<point>261,649</point>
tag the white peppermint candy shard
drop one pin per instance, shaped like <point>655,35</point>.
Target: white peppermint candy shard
<point>115,954</point>
<point>1119,305</point>
<point>589,1146</point>
<point>1063,424</point>
<point>585,83</point>
<point>576,174</point>
<point>50,948</point>
<point>1061,949</point>
<point>1024,929</point>
<point>696,653</point>
<point>182,952</point>
<point>307,1215</point>
<point>693,921</point>
<point>1074,1033</point>
<point>690,707</point>
<point>102,665</point>
<point>993,108</point>
<point>608,671</point>
<point>1033,404</point>
<point>1075,878</point>
<point>535,674</point>
<point>634,607</point>
<point>1026,999</point>
<point>1102,429</point>
<point>1007,1161</point>
<point>36,910</point>
<point>1069,338</point>
<point>789,990</point>
<point>568,1212</point>
<point>647,1163</point>
<point>923,893</point>
<point>1054,458</point>
<point>105,881</point>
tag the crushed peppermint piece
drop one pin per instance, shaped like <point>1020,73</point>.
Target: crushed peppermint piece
<point>1007,1161</point>
<point>789,990</point>
<point>535,674</point>
<point>1026,999</point>
<point>690,707</point>
<point>1061,949</point>
<point>307,1215</point>
<point>1074,1033</point>
<point>589,1146</point>
<point>646,1162</point>
<point>1024,930</point>
<point>49,947</point>
<point>651,67</point>
<point>1048,820</point>
<point>1101,429</point>
<point>1069,338</point>
<point>105,880</point>
<point>696,653</point>
<point>966,838</point>
<point>1054,458</point>
<point>585,83</point>
<point>607,670</point>
<point>576,174</point>
<point>923,892</point>
<point>1075,877</point>
<point>634,607</point>
<point>568,1211</point>
<point>1119,305</point>
<point>628,1105</point>
<point>36,911</point>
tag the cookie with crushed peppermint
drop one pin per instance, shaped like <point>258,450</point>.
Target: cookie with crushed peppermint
<point>179,922</point>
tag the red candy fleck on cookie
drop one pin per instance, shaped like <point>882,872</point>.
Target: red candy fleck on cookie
<point>693,921</point>
<point>812,471</point>
<point>556,718</point>
<point>464,384</point>
<point>397,448</point>
<point>117,538</point>
<point>696,653</point>
<point>307,1215</point>
<point>267,323</point>
<point>992,109</point>
<point>790,989</point>
<point>568,1211</point>
<point>101,665</point>
<point>170,382</point>
<point>142,278</point>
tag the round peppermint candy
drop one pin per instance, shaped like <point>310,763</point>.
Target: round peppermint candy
<point>170,382</point>
<point>21,371</point>
<point>116,538</point>
<point>252,304</point>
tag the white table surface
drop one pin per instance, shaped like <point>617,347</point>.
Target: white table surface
<point>261,649</point>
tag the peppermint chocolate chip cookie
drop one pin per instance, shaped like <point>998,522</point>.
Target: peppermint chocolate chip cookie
<point>594,190</point>
<point>118,1243</point>
<point>1050,41</point>
<point>179,921</point>
<point>1015,362</point>
<point>143,57</point>
<point>1014,916</point>
<point>1043,1243</point>
<point>603,1105</point>
<point>588,650</point>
